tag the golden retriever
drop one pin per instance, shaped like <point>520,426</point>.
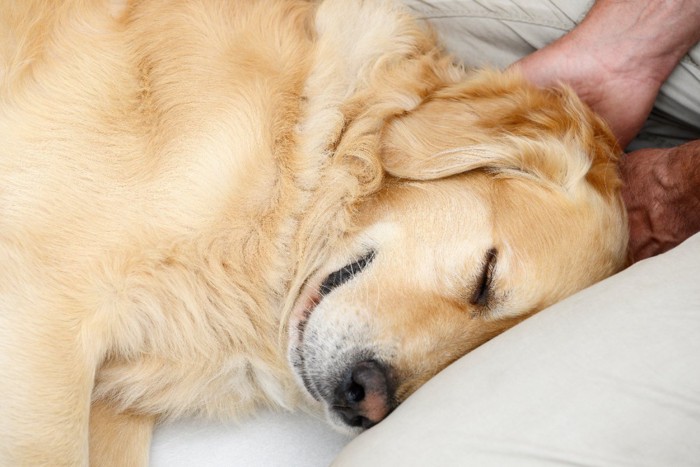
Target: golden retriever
<point>209,206</point>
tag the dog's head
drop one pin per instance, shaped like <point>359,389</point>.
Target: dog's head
<point>500,200</point>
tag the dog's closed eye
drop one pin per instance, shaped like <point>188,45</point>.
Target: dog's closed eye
<point>347,272</point>
<point>482,291</point>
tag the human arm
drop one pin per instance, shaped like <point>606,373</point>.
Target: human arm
<point>619,56</point>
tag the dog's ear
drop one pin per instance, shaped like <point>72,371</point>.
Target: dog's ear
<point>499,123</point>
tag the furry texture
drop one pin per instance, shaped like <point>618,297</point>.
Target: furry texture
<point>172,174</point>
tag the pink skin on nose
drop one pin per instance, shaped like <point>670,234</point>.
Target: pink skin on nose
<point>375,404</point>
<point>374,407</point>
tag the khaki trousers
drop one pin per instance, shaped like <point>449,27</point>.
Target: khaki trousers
<point>499,32</point>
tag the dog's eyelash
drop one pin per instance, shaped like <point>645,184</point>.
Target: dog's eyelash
<point>347,272</point>
<point>482,292</point>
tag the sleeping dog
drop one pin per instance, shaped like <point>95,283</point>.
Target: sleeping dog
<point>211,206</point>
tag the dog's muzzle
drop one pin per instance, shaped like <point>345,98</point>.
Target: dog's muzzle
<point>365,394</point>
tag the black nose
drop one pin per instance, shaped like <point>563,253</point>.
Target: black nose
<point>365,395</point>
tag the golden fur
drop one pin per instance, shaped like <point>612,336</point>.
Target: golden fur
<point>177,178</point>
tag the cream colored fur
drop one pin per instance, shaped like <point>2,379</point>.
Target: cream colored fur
<point>172,174</point>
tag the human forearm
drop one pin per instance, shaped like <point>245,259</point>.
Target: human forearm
<point>648,37</point>
<point>619,56</point>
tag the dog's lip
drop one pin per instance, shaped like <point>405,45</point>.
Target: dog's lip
<point>309,298</point>
<point>307,301</point>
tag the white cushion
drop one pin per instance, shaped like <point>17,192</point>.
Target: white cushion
<point>267,440</point>
<point>610,376</point>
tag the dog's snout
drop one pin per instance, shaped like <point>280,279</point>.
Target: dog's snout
<point>365,395</point>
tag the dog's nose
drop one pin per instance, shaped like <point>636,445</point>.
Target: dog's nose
<point>365,395</point>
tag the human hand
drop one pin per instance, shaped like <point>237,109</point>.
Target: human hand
<point>618,57</point>
<point>622,97</point>
<point>662,194</point>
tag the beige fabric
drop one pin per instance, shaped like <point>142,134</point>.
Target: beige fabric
<point>499,32</point>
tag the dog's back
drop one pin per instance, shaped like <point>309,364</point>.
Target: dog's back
<point>175,99</point>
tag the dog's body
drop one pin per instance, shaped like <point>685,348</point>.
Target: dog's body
<point>178,178</point>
